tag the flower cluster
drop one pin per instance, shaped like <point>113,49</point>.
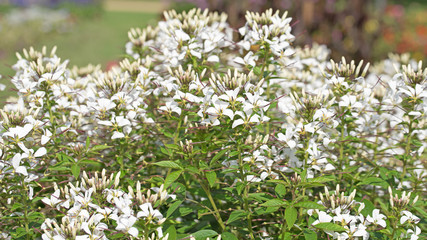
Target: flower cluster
<point>237,138</point>
<point>97,205</point>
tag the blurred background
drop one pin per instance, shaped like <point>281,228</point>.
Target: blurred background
<point>95,31</point>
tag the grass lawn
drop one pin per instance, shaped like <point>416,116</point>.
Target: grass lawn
<point>97,41</point>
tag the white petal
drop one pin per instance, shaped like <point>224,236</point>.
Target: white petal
<point>40,152</point>
<point>16,160</point>
<point>213,58</point>
<point>133,231</point>
<point>44,139</point>
<point>22,170</point>
<point>237,123</point>
<point>117,135</point>
<point>106,123</point>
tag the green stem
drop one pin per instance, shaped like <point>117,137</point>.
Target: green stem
<point>283,228</point>
<point>25,204</point>
<point>246,206</point>
<point>341,153</point>
<point>407,149</point>
<point>211,200</point>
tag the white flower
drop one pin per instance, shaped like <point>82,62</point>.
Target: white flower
<point>149,212</point>
<point>219,109</point>
<point>170,107</point>
<point>416,93</point>
<point>125,223</point>
<point>287,138</point>
<point>408,216</point>
<point>46,137</point>
<point>350,102</point>
<point>377,218</point>
<point>16,161</point>
<point>359,230</point>
<point>86,199</point>
<point>53,200</point>
<point>323,218</point>
<point>247,118</point>
<point>30,154</point>
<point>414,234</point>
<point>249,59</point>
<point>231,96</point>
<point>18,133</point>
<point>117,121</point>
<point>181,35</point>
<point>104,104</point>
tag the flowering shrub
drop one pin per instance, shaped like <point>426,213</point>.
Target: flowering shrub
<point>199,136</point>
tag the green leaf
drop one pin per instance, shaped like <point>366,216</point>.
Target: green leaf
<point>291,216</point>
<point>257,70</point>
<point>330,227</point>
<point>309,205</point>
<point>369,207</point>
<point>61,166</point>
<point>172,208</point>
<point>233,153</point>
<point>168,164</point>
<point>203,234</point>
<point>172,146</point>
<point>99,148</point>
<point>64,158</point>
<point>322,179</point>
<point>183,211</point>
<point>259,197</point>
<point>228,236</point>
<point>274,203</point>
<point>16,206</point>
<point>172,233</point>
<point>421,211</point>
<point>236,215</point>
<point>172,177</point>
<point>75,170</point>
<point>192,169</point>
<point>165,151</point>
<point>20,231</point>
<point>374,181</point>
<point>239,187</point>
<point>218,156</point>
<point>211,176</point>
<point>280,189</point>
<point>87,143</point>
<point>288,236</point>
<point>309,234</point>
